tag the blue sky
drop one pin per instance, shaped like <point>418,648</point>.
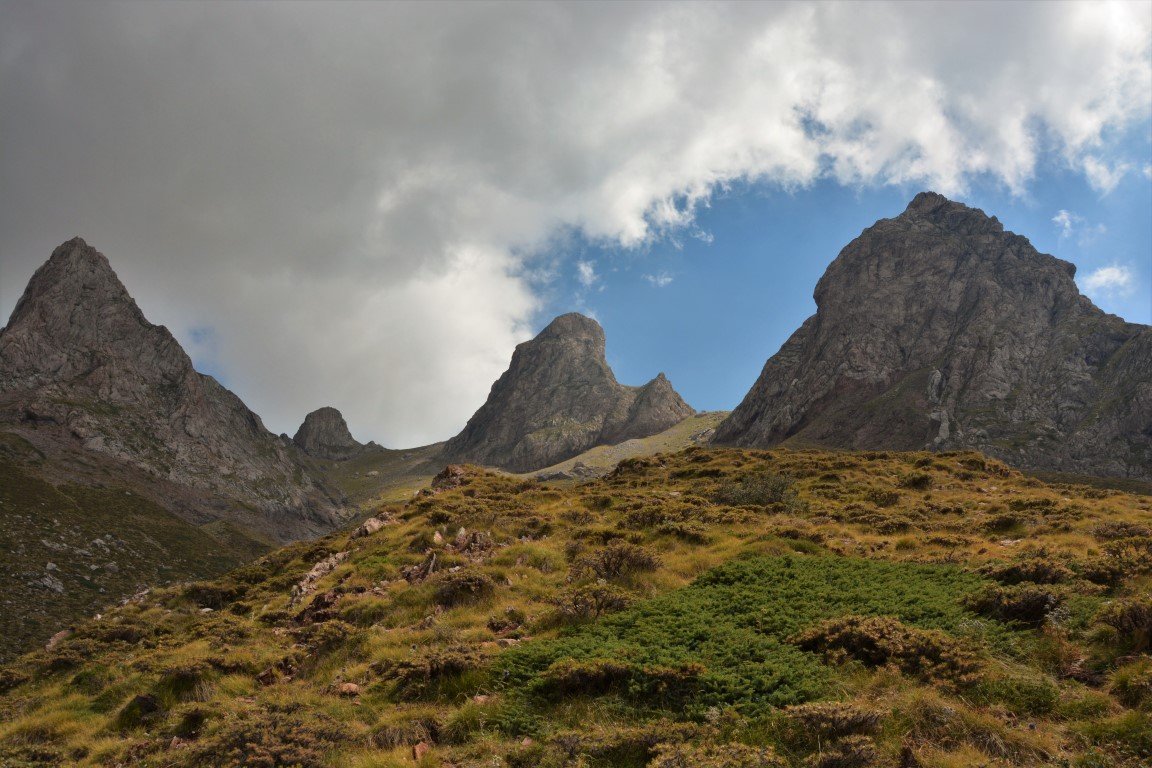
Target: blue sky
<point>371,208</point>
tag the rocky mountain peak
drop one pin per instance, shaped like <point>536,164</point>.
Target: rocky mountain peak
<point>82,369</point>
<point>324,434</point>
<point>558,398</point>
<point>939,328</point>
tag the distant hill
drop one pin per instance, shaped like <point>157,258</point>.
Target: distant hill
<point>939,329</point>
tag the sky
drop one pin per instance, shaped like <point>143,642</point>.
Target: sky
<point>369,205</point>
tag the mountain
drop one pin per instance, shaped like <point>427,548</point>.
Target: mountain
<point>940,329</point>
<point>559,398</point>
<point>89,383</point>
<point>324,435</point>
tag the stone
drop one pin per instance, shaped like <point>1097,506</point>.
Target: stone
<point>940,330</point>
<point>324,435</point>
<point>559,398</point>
<point>349,689</point>
<point>57,638</point>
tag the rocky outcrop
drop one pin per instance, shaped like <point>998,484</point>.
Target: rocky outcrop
<point>82,369</point>
<point>324,435</point>
<point>939,329</point>
<point>559,398</point>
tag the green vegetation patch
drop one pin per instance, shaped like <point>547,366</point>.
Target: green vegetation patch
<point>724,640</point>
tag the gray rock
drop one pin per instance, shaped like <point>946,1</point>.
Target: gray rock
<point>939,329</point>
<point>559,398</point>
<point>324,435</point>
<point>81,369</point>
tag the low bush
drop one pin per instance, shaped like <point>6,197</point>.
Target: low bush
<point>880,641</point>
<point>425,674</point>
<point>1022,604</point>
<point>757,490</point>
<point>616,559</point>
<point>584,603</point>
<point>263,739</point>
<point>463,587</point>
<point>1132,620</point>
<point>1131,684</point>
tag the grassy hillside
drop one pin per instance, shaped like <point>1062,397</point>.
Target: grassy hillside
<point>708,608</point>
<point>69,551</point>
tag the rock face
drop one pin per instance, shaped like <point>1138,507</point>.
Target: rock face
<point>81,368</point>
<point>559,398</point>
<point>940,329</point>
<point>324,435</point>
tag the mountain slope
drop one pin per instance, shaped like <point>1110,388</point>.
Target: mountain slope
<point>940,329</point>
<point>715,608</point>
<point>559,398</point>
<point>82,372</point>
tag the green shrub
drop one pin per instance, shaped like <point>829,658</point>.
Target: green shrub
<point>1019,695</point>
<point>757,490</point>
<point>425,674</point>
<point>1131,684</point>
<point>880,641</point>
<point>263,739</point>
<point>1132,620</point>
<point>463,587</point>
<point>735,619</point>
<point>1023,604</point>
<point>584,603</point>
<point>917,481</point>
<point>616,559</point>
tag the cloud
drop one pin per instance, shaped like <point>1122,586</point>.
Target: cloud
<point>1104,177</point>
<point>1066,220</point>
<point>1110,281</point>
<point>1148,171</point>
<point>660,279</point>
<point>360,199</point>
<point>586,273</point>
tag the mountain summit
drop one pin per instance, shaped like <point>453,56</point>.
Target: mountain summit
<point>559,398</point>
<point>82,372</point>
<point>940,329</point>
<point>324,434</point>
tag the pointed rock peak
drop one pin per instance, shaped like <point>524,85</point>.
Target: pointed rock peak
<point>572,325</point>
<point>325,434</point>
<point>950,214</point>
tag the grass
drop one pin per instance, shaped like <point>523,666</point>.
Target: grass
<point>649,618</point>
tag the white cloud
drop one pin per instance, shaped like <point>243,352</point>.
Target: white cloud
<point>356,204</point>
<point>1110,281</point>
<point>1102,176</point>
<point>586,273</point>
<point>660,279</point>
<point>1148,171</point>
<point>1066,220</point>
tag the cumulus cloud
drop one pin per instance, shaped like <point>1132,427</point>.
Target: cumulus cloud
<point>660,279</point>
<point>355,198</point>
<point>1110,281</point>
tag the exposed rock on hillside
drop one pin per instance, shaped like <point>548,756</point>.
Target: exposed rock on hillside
<point>324,434</point>
<point>82,370</point>
<point>938,328</point>
<point>559,398</point>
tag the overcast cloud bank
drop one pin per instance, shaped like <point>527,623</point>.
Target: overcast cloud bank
<point>342,204</point>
